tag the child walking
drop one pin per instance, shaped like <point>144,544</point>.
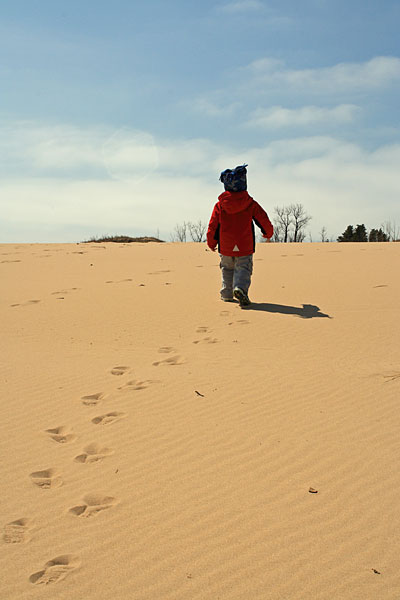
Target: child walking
<point>231,228</point>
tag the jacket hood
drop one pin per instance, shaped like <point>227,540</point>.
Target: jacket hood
<point>234,202</point>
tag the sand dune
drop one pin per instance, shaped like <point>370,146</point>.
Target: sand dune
<point>158,444</point>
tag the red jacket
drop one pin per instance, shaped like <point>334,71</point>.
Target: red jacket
<point>231,224</point>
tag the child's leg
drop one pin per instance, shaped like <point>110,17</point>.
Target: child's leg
<point>227,268</point>
<point>242,272</point>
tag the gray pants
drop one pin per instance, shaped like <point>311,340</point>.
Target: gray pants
<point>236,272</point>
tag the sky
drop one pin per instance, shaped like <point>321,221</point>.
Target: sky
<point>118,117</point>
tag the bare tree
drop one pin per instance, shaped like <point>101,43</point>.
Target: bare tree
<point>300,221</point>
<point>301,236</point>
<point>283,219</point>
<point>180,232</point>
<point>322,233</point>
<point>277,233</point>
<point>197,231</point>
<point>290,223</point>
<point>392,230</point>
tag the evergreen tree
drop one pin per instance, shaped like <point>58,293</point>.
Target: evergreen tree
<point>373,235</point>
<point>360,234</point>
<point>348,235</point>
<point>382,236</point>
<point>378,235</point>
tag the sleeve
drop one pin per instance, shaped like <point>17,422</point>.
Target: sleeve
<point>262,221</point>
<point>213,227</point>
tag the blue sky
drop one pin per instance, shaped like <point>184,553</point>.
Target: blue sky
<point>117,117</point>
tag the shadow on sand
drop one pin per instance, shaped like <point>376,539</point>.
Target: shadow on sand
<point>309,311</point>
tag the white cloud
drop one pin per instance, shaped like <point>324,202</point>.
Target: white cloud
<point>125,154</point>
<point>241,6</point>
<point>374,74</point>
<point>103,205</point>
<point>278,117</point>
<point>338,182</point>
<point>210,108</point>
<point>61,148</point>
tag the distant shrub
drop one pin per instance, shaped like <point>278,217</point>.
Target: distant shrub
<point>122,239</point>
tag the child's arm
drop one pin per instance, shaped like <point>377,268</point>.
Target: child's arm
<point>262,221</point>
<point>212,240</point>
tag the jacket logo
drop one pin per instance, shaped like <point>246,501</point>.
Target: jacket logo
<point>235,248</point>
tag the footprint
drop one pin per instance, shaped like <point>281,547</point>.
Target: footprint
<point>173,360</point>
<point>110,417</point>
<point>119,370</point>
<point>62,435</point>
<point>93,504</point>
<point>16,532</point>
<point>46,479</point>
<point>224,313</point>
<point>66,291</point>
<point>93,453</point>
<point>92,400</point>
<point>55,570</point>
<point>166,349</point>
<point>392,377</point>
<point>28,303</point>
<point>138,385</point>
<point>243,322</point>
<point>206,340</point>
<point>120,281</point>
<point>202,330</point>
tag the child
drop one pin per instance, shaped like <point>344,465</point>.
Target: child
<point>231,228</point>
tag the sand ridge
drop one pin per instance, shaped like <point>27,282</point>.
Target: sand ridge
<point>158,443</point>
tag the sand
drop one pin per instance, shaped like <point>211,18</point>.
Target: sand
<point>159,444</point>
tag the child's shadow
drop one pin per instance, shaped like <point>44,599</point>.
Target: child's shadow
<point>309,311</point>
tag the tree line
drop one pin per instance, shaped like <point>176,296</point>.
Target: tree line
<point>388,232</point>
<point>290,223</point>
<point>289,226</point>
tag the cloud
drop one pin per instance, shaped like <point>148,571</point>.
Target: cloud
<point>374,74</point>
<point>278,117</point>
<point>323,97</point>
<point>241,6</point>
<point>210,108</point>
<point>124,154</point>
<point>101,206</point>
<point>31,147</point>
<point>47,195</point>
